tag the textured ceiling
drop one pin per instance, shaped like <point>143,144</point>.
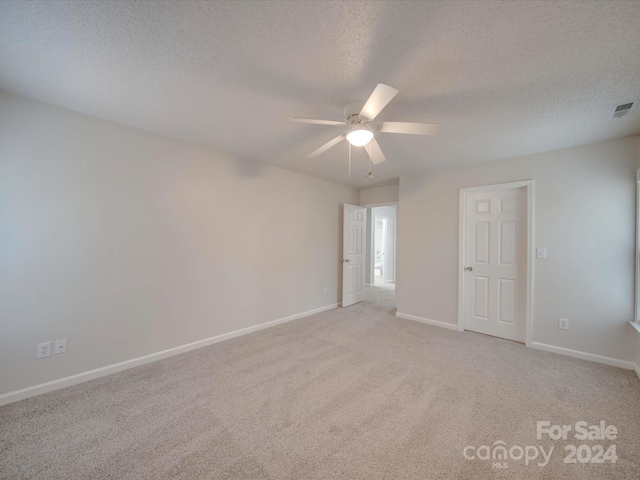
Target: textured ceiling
<point>503,78</point>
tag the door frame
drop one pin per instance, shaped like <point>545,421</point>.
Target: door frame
<point>370,258</point>
<point>389,247</point>
<point>462,232</point>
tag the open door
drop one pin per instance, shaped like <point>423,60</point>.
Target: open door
<point>353,254</point>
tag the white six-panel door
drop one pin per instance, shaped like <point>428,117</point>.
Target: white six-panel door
<point>353,254</point>
<point>495,263</point>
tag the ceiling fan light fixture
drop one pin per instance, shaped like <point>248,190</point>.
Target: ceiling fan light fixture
<point>359,136</point>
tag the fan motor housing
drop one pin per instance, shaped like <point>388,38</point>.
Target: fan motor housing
<point>352,113</point>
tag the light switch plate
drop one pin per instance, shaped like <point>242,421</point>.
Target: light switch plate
<point>541,253</point>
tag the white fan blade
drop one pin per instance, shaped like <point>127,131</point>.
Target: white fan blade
<point>379,99</point>
<point>326,146</point>
<point>315,121</point>
<point>374,152</point>
<point>410,128</point>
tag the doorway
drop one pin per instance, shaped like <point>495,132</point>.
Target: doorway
<point>496,260</point>
<point>381,254</point>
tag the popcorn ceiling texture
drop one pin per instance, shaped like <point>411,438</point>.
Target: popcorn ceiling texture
<point>350,393</point>
<point>503,78</point>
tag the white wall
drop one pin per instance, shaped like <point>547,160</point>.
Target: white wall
<point>369,270</point>
<point>584,216</point>
<point>637,334</point>
<point>386,211</point>
<point>128,243</point>
<point>379,195</point>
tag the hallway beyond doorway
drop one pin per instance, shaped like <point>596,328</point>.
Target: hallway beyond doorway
<point>381,255</point>
<point>384,294</point>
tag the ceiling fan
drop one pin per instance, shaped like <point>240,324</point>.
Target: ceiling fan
<point>361,134</point>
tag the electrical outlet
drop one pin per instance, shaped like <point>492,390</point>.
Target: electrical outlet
<point>60,346</point>
<point>44,350</point>
<point>326,290</point>
<point>563,323</point>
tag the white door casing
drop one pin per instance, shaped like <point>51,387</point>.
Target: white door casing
<point>353,254</point>
<point>495,263</point>
<point>389,237</point>
<point>380,246</point>
<point>389,271</point>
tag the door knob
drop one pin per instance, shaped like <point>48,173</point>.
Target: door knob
<point>346,260</point>
<point>469,269</point>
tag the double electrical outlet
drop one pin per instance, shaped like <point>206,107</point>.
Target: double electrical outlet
<point>44,349</point>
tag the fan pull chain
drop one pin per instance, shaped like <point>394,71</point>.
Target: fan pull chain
<point>349,161</point>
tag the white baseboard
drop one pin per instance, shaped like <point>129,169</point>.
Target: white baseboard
<point>21,394</point>
<point>585,356</point>
<point>636,369</point>
<point>428,321</point>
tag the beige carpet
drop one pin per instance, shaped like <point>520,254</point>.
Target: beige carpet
<point>384,293</point>
<point>351,393</point>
